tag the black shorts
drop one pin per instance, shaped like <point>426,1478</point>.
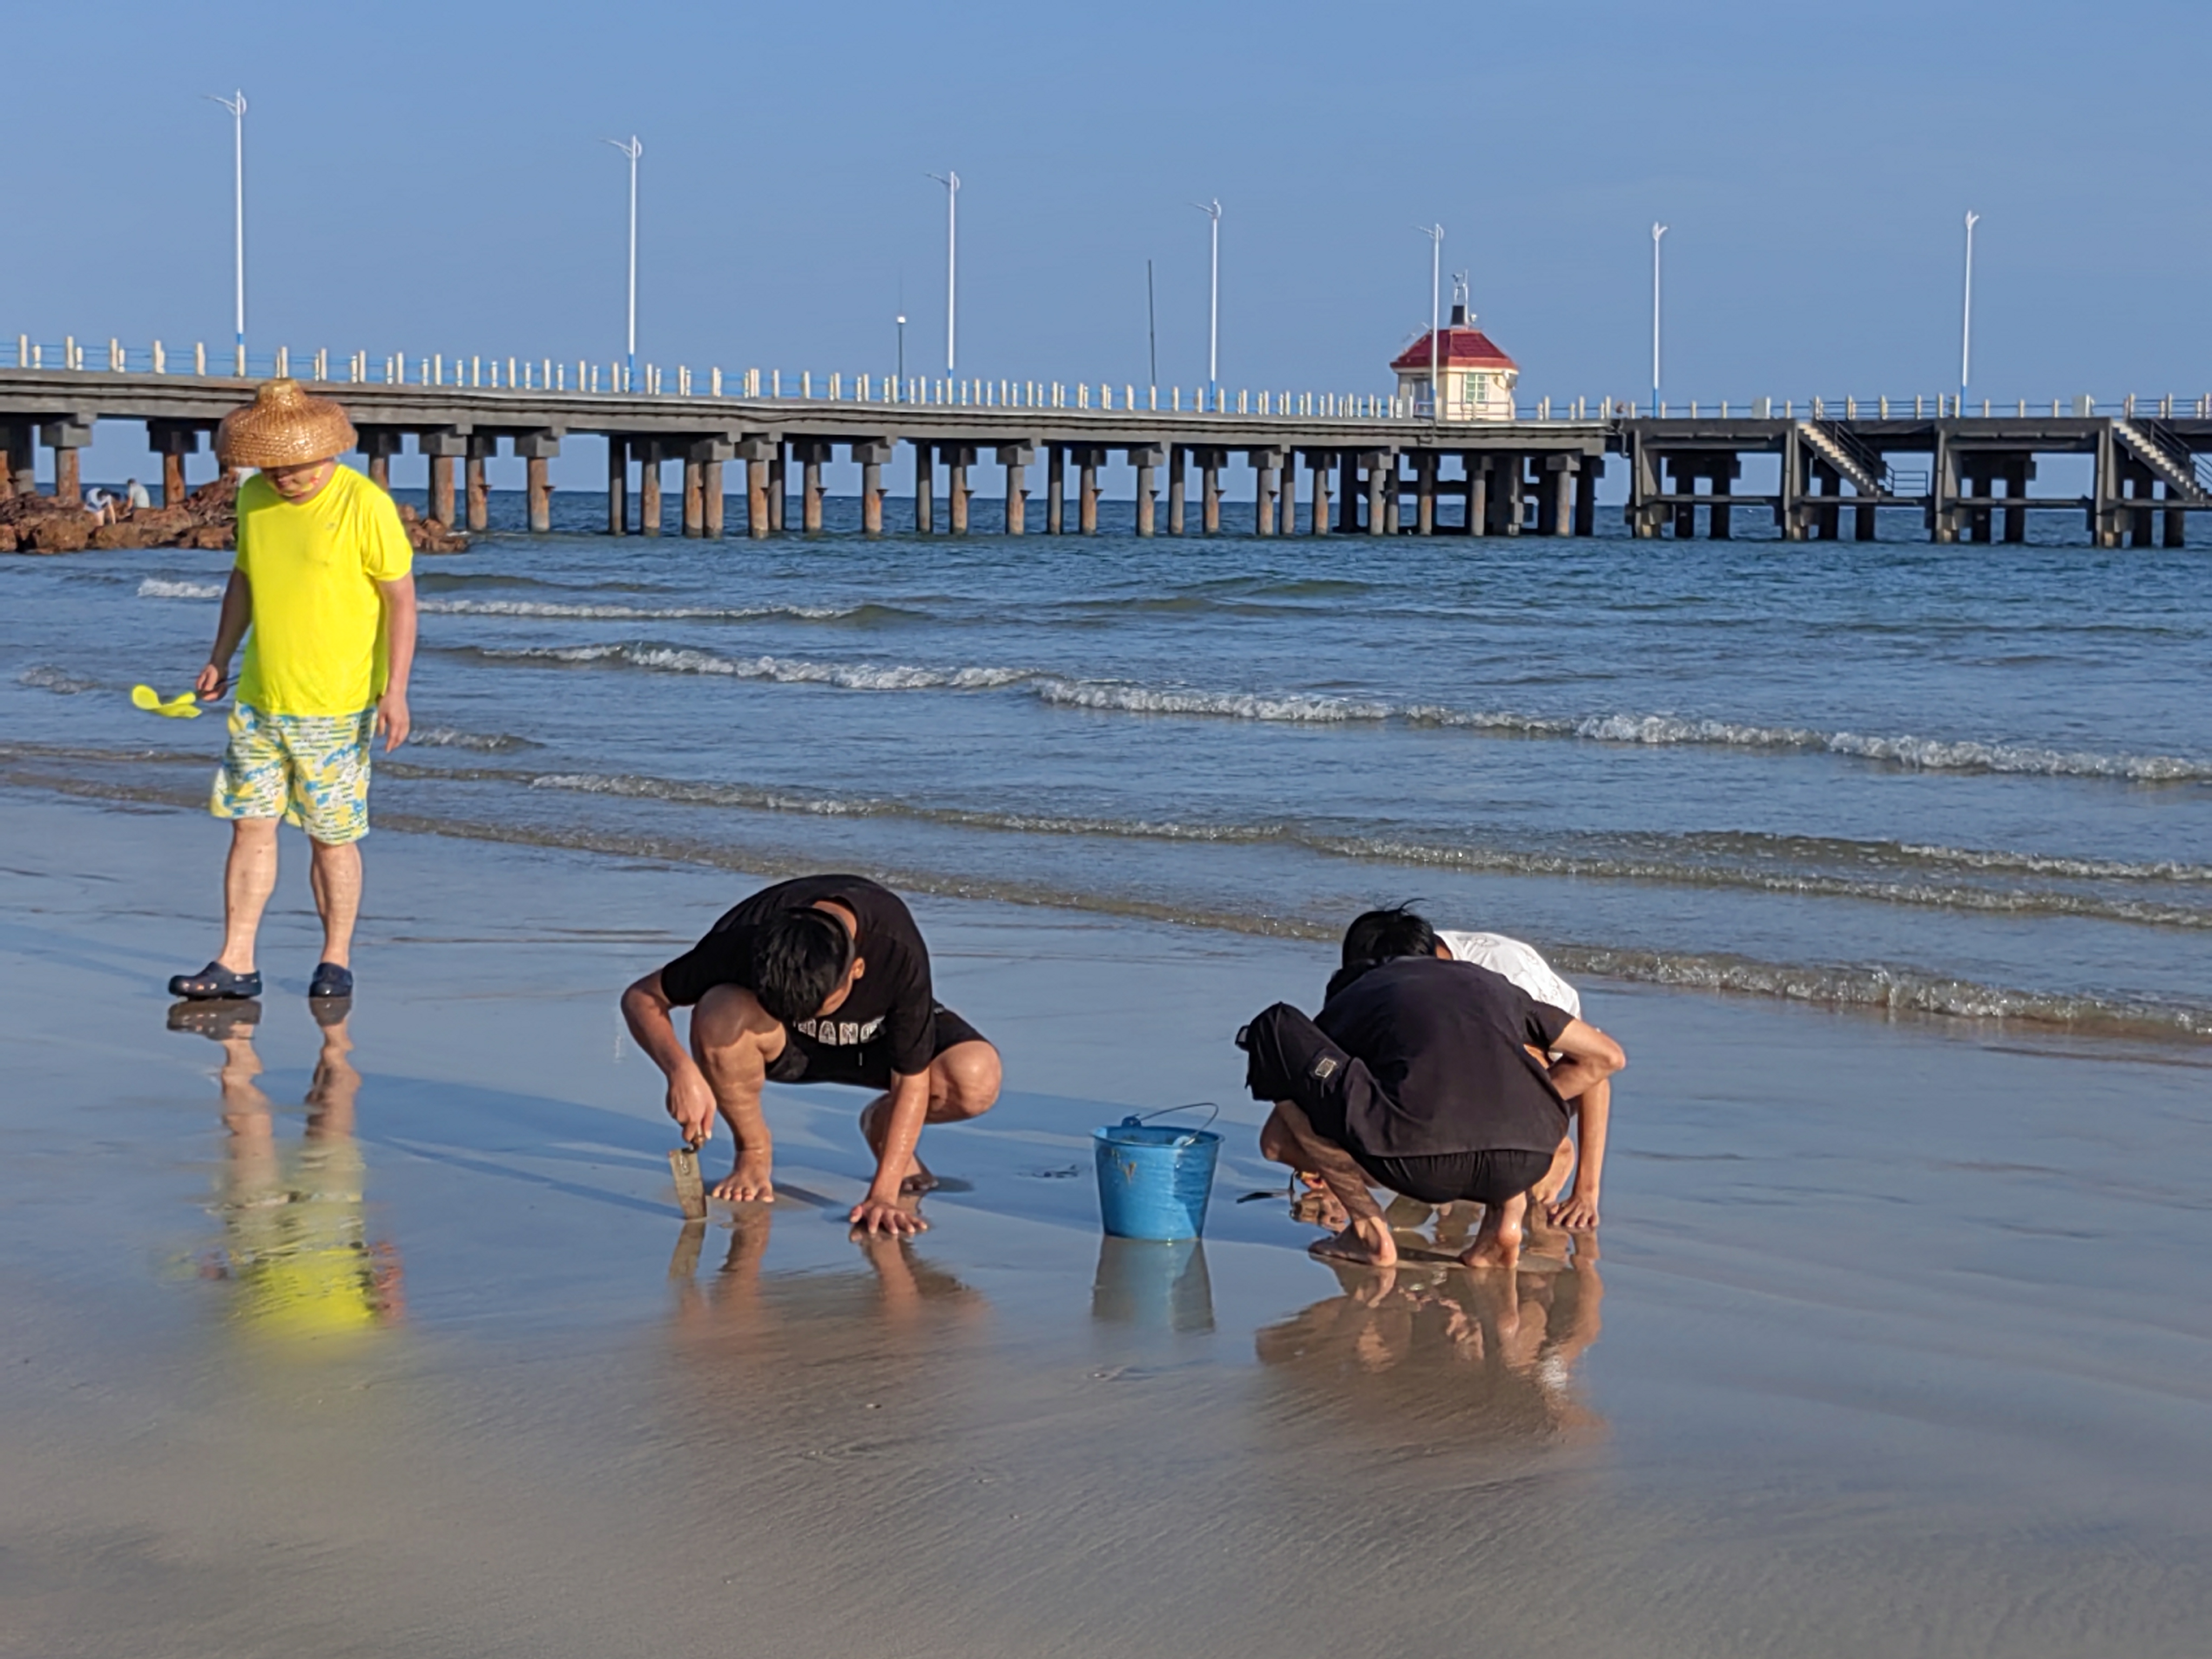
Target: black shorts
<point>1290,1058</point>
<point>864,1064</point>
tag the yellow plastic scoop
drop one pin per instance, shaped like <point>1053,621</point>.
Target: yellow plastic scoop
<point>183,707</point>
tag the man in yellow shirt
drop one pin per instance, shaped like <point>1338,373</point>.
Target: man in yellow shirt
<point>323,594</point>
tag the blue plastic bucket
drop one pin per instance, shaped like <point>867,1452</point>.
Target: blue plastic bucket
<point>1154,1182</point>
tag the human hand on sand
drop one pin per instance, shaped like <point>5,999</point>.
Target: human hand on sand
<point>1577,1212</point>
<point>878,1215</point>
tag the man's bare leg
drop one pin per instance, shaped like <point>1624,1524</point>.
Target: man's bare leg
<point>735,1039</point>
<point>1497,1240</point>
<point>963,1083</point>
<point>248,878</point>
<point>335,875</point>
<point>1366,1238</point>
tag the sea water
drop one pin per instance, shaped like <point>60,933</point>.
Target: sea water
<point>1969,781</point>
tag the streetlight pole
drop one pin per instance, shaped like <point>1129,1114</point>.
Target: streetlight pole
<point>236,104</point>
<point>1657,231</point>
<point>1212,210</point>
<point>1436,236</point>
<point>1966,315</point>
<point>900,320</point>
<point>632,149</point>
<point>950,180</point>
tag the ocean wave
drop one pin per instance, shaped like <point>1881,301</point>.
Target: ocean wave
<point>605,612</point>
<point>787,670</point>
<point>485,743</point>
<point>160,587</point>
<point>45,677</point>
<point>1230,705</point>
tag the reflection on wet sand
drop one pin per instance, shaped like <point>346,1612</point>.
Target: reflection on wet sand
<point>1153,1286</point>
<point>900,1290</point>
<point>295,1244</point>
<point>1430,1347</point>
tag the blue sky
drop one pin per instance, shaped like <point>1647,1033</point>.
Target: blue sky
<point>430,178</point>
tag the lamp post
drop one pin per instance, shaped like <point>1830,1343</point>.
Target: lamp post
<point>950,180</point>
<point>1966,315</point>
<point>632,149</point>
<point>900,320</point>
<point>236,104</point>
<point>1436,236</point>
<point>1212,210</point>
<point>1657,231</point>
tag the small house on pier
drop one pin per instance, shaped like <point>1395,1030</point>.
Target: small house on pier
<point>1475,380</point>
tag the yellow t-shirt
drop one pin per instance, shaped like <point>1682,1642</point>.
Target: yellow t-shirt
<point>317,643</point>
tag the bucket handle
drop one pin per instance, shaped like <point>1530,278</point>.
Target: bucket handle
<point>1136,1120</point>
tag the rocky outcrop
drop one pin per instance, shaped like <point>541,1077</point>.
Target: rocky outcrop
<point>207,519</point>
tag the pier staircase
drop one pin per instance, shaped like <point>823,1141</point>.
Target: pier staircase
<point>1851,457</point>
<point>2187,474</point>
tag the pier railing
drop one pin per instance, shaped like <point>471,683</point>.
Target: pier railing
<point>615,377</point>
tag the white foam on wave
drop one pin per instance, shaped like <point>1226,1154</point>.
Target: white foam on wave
<point>603,613</point>
<point>1299,707</point>
<point>486,743</point>
<point>787,670</point>
<point>160,587</point>
<point>45,677</point>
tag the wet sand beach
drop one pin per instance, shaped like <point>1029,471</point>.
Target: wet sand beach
<point>1894,1341</point>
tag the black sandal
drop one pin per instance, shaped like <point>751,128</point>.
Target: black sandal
<point>330,983</point>
<point>214,981</point>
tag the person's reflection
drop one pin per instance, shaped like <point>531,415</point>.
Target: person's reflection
<point>295,1244</point>
<point>1426,1346</point>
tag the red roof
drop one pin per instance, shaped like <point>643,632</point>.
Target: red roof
<point>1456,348</point>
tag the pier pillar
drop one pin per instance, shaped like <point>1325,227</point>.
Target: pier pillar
<point>1175,485</point>
<point>810,453</point>
<point>1017,459</point>
<point>1055,489</point>
<point>1210,463</point>
<point>1561,475</point>
<point>2018,470</point>
<point>2177,523</point>
<point>1265,483</point>
<point>1392,496</point>
<point>481,447</point>
<point>1593,469</point>
<point>1424,492</point>
<point>1145,458</point>
<point>1347,491</point>
<point>1828,484</point>
<point>649,510</point>
<point>65,438</point>
<point>925,482</point>
<point>1943,488</point>
<point>1374,461</point>
<point>617,485</point>
<point>871,454</point>
<point>1320,462</point>
<point>173,441</point>
<point>1087,462</point>
<point>1511,500</point>
<point>716,503</point>
<point>1478,495</point>
<point>444,447</point>
<point>694,499</point>
<point>1788,508</point>
<point>378,443</point>
<point>22,461</point>
<point>754,452</point>
<point>779,488</point>
<point>958,458</point>
<point>538,449</point>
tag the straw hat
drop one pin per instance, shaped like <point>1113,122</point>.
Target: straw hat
<point>283,427</point>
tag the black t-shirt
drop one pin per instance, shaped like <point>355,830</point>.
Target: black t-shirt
<point>891,1002</point>
<point>1443,1040</point>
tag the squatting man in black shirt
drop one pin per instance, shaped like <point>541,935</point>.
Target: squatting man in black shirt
<point>821,980</point>
<point>1432,1078</point>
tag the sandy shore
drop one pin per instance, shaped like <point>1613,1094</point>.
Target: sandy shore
<point>1896,1343</point>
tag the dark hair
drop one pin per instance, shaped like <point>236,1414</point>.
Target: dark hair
<point>799,957</point>
<point>1377,937</point>
<point>1386,934</point>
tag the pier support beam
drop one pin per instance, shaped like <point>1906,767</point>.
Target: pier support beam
<point>22,460</point>
<point>871,454</point>
<point>444,447</point>
<point>1265,483</point>
<point>173,441</point>
<point>1347,491</point>
<point>650,455</point>
<point>378,444</point>
<point>1322,462</point>
<point>536,450</point>
<point>779,488</point>
<point>1017,459</point>
<point>925,490</point>
<point>958,458</point>
<point>1478,495</point>
<point>1424,493</point>
<point>1087,462</point>
<point>65,438</point>
<point>1210,463</point>
<point>1374,461</point>
<point>810,453</point>
<point>1593,469</point>
<point>1176,469</point>
<point>1055,489</point>
<point>617,485</point>
<point>481,447</point>
<point>755,453</point>
<point>694,499</point>
<point>1145,458</point>
<point>715,502</point>
<point>1559,478</point>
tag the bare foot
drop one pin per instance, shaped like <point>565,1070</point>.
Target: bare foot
<point>1364,1243</point>
<point>748,1183</point>
<point>1501,1249</point>
<point>917,1178</point>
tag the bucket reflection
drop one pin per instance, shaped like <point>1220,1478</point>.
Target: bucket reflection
<point>1154,1285</point>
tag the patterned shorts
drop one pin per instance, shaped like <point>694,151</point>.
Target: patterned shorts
<point>308,769</point>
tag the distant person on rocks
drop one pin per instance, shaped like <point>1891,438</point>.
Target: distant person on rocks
<point>821,980</point>
<point>101,504</point>
<point>135,495</point>
<point>1439,1079</point>
<point>322,595</point>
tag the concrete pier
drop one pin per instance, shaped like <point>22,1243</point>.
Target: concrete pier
<point>1017,459</point>
<point>1087,462</point>
<point>1055,506</point>
<point>617,486</point>
<point>649,509</point>
<point>1177,466</point>
<point>481,447</point>
<point>958,458</point>
<point>1145,458</point>
<point>924,472</point>
<point>810,454</point>
<point>1210,463</point>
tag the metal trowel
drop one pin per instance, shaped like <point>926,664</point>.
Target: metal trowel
<point>690,1191</point>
